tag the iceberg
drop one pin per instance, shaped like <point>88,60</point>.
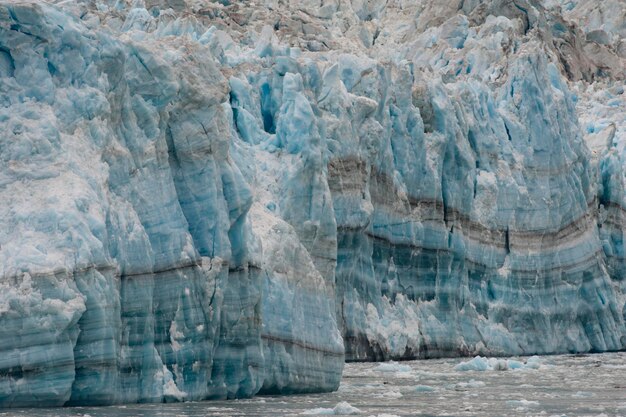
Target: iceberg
<point>210,200</point>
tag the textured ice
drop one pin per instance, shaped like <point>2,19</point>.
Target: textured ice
<point>392,367</point>
<point>557,390</point>
<point>341,409</point>
<point>496,364</point>
<point>522,404</point>
<point>208,200</point>
<point>136,265</point>
<point>462,386</point>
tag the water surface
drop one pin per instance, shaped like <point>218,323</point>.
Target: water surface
<point>569,385</point>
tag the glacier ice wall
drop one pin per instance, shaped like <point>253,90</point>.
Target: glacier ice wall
<point>131,270</point>
<point>213,200</point>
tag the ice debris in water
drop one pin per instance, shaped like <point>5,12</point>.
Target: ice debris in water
<point>480,363</point>
<point>522,404</point>
<point>385,415</point>
<point>341,409</point>
<point>392,367</point>
<point>390,394</point>
<point>472,383</point>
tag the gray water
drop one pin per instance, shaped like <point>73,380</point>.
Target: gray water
<point>569,385</point>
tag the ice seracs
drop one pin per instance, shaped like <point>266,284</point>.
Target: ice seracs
<point>207,200</point>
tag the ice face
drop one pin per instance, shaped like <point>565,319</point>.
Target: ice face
<point>202,202</point>
<point>132,271</point>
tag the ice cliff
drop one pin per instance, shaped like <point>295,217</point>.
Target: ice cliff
<point>217,199</point>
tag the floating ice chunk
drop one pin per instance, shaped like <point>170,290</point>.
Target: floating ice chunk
<point>495,364</point>
<point>424,388</point>
<point>513,364</point>
<point>345,409</point>
<point>534,362</point>
<point>385,415</point>
<point>341,409</point>
<point>522,404</point>
<point>391,394</point>
<point>405,375</point>
<point>319,412</point>
<point>392,367</point>
<point>472,383</point>
<point>477,364</point>
<point>583,394</point>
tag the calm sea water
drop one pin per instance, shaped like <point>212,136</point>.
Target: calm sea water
<point>568,385</point>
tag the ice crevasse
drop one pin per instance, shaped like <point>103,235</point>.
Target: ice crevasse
<point>207,200</point>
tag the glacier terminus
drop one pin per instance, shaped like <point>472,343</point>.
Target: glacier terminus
<point>217,199</point>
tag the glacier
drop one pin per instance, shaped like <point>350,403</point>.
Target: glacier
<point>210,200</point>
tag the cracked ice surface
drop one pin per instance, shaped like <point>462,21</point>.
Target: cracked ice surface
<point>211,200</point>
